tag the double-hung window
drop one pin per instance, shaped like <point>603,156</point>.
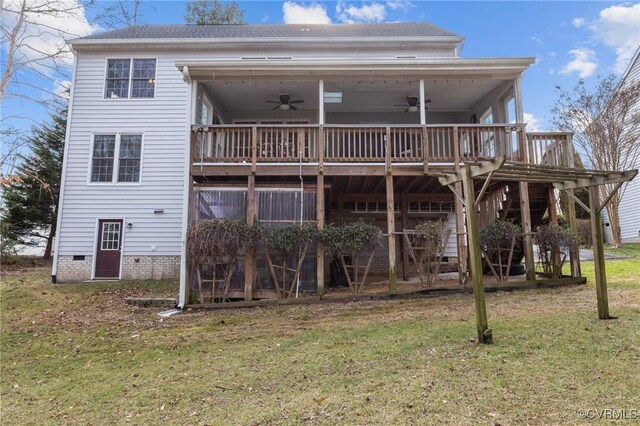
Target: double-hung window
<point>116,158</point>
<point>130,78</point>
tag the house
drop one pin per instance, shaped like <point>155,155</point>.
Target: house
<point>173,124</point>
<point>629,217</point>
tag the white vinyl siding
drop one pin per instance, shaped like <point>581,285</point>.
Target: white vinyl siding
<point>162,121</point>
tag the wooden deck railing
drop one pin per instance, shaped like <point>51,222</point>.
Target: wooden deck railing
<point>429,144</point>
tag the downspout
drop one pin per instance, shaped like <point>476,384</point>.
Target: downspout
<point>65,161</point>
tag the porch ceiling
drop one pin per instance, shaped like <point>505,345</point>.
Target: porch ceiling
<point>363,95</point>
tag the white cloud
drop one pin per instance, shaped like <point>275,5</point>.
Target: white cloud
<point>400,4</point>
<point>578,22</point>
<point>373,12</point>
<point>533,124</point>
<point>294,13</point>
<point>584,63</point>
<point>618,27</point>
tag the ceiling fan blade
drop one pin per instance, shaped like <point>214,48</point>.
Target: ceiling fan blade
<point>272,102</point>
<point>276,107</point>
<point>403,105</point>
<point>406,110</point>
<point>293,108</point>
<point>297,101</point>
<point>427,101</point>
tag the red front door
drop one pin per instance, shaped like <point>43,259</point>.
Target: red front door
<point>109,248</point>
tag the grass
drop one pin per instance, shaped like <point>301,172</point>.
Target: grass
<point>77,354</point>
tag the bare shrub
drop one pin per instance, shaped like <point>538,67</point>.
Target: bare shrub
<point>554,244</point>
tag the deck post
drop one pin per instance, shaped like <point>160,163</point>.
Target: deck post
<point>475,263</point>
<point>570,209</point>
<point>423,112</point>
<point>391,237</point>
<point>319,244</point>
<point>525,218</point>
<point>598,253</point>
<point>463,266</point>
<point>404,206</point>
<point>250,256</point>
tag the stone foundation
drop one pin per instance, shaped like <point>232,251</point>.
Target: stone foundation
<point>134,268</point>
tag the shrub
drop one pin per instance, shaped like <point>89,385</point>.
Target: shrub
<point>286,240</point>
<point>426,246</point>
<point>554,244</point>
<point>355,237</point>
<point>499,235</point>
<point>496,240</point>
<point>217,239</point>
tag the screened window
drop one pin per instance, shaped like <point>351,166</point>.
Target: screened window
<point>116,158</point>
<point>130,78</point>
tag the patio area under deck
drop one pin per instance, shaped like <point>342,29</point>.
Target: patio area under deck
<point>252,127</point>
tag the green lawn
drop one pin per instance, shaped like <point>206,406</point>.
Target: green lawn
<point>77,354</point>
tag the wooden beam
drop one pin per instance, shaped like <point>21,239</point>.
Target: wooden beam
<point>475,171</point>
<point>525,219</point>
<point>319,244</point>
<point>570,193</point>
<point>484,333</point>
<point>598,254</point>
<point>404,207</point>
<point>487,181</point>
<point>250,256</point>
<point>611,194</point>
<point>391,238</point>
<point>613,177</point>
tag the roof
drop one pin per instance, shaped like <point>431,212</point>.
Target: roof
<point>269,31</point>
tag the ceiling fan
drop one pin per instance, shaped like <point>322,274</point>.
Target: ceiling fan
<point>412,104</point>
<point>285,103</point>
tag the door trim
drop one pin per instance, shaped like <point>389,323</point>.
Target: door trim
<point>95,244</point>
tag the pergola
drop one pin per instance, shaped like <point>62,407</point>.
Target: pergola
<point>565,178</point>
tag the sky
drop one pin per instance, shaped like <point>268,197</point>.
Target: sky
<point>570,40</point>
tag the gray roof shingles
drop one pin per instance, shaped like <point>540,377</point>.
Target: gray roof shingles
<point>273,31</point>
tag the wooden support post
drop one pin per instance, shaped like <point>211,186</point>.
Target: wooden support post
<point>598,253</point>
<point>553,218</point>
<point>484,333</point>
<point>393,278</point>
<point>319,244</point>
<point>404,206</point>
<point>463,265</point>
<point>570,211</point>
<point>525,218</point>
<point>250,256</point>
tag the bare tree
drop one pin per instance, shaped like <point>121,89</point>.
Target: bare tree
<point>605,122</point>
<point>33,37</point>
<point>122,13</point>
<point>205,12</point>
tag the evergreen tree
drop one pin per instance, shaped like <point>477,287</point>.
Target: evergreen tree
<point>206,12</point>
<point>30,201</point>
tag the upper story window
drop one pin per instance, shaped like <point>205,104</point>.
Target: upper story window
<point>116,158</point>
<point>130,78</point>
